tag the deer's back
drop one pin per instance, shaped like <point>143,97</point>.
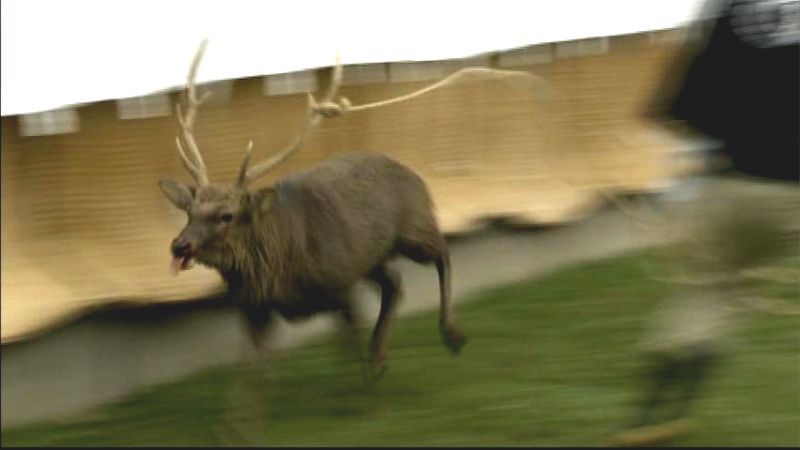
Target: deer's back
<point>353,210</point>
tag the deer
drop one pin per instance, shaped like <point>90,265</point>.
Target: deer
<point>298,247</point>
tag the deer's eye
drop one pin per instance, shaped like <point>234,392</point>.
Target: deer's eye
<point>226,217</point>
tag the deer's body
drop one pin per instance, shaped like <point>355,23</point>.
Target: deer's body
<point>327,229</point>
<point>299,247</point>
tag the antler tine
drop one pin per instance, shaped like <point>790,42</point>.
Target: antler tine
<point>196,167</point>
<point>336,80</point>
<point>316,111</point>
<point>184,159</point>
<point>242,178</point>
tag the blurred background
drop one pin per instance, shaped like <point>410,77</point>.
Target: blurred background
<point>522,172</point>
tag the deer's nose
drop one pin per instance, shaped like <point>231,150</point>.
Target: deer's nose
<point>181,247</point>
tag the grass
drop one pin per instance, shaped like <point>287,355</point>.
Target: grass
<point>550,362</point>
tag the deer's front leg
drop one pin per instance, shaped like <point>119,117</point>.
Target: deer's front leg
<point>244,417</point>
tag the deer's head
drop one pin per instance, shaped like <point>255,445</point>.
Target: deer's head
<point>217,213</point>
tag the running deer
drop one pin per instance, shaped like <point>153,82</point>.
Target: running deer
<point>298,247</point>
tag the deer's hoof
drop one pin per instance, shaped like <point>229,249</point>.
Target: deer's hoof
<point>652,435</point>
<point>454,338</point>
<point>376,368</point>
<point>227,435</point>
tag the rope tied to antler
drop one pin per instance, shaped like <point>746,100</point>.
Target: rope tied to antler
<point>330,109</point>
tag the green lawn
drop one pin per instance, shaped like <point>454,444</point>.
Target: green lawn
<point>549,362</point>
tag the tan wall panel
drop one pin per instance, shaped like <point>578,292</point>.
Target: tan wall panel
<point>84,222</point>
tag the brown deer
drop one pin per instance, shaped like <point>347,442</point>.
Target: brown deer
<point>299,246</point>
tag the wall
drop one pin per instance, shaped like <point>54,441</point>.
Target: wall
<point>84,222</point>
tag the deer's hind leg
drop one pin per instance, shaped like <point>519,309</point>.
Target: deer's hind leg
<point>423,243</point>
<point>353,342</point>
<point>389,281</point>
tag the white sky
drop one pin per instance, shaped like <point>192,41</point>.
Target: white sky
<point>62,52</point>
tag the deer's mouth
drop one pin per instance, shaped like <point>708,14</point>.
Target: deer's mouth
<point>183,262</point>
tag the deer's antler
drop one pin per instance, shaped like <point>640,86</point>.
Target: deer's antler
<point>195,166</point>
<point>316,110</point>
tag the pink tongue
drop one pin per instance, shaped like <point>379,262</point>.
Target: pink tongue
<point>177,265</point>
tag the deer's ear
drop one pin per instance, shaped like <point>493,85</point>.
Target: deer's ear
<point>265,198</point>
<point>179,194</point>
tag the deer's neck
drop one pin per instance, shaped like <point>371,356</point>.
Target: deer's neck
<point>265,259</point>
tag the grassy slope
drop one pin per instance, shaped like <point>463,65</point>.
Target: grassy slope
<point>549,362</point>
